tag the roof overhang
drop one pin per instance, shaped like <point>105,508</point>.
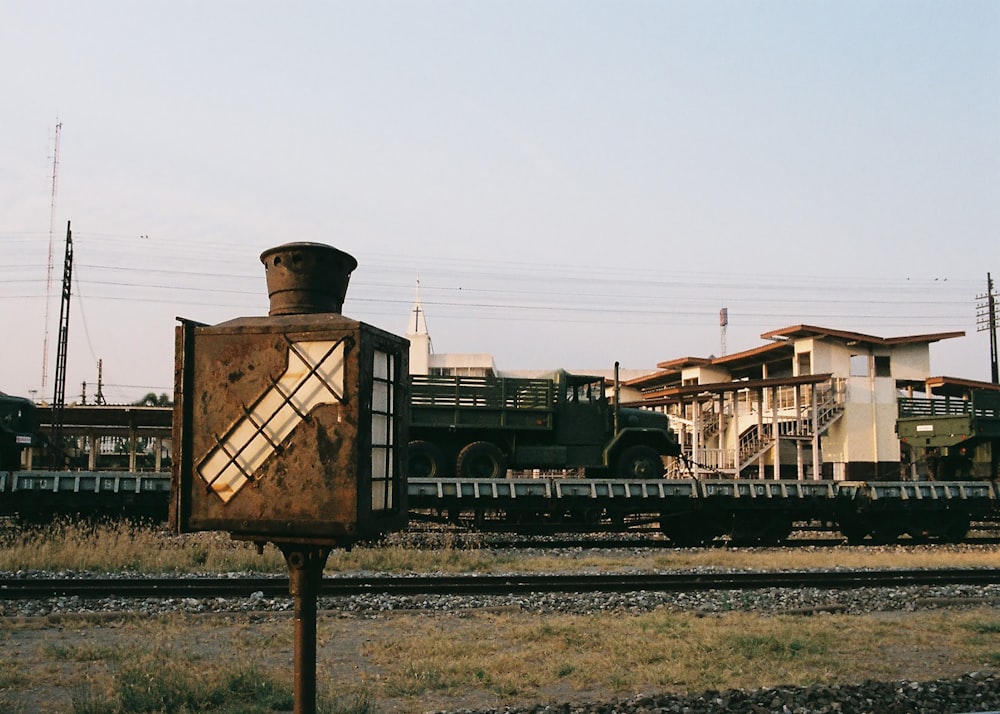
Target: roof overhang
<point>957,387</point>
<point>671,395</point>
<point>806,331</point>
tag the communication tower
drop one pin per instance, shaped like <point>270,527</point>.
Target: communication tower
<point>723,324</point>
<point>48,275</point>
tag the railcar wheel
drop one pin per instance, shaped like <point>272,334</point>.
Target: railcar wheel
<point>854,530</point>
<point>639,462</point>
<point>425,460</point>
<point>887,531</point>
<point>685,530</point>
<point>778,531</point>
<point>481,459</point>
<point>956,529</point>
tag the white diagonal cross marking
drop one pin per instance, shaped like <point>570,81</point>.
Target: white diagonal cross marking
<point>315,376</point>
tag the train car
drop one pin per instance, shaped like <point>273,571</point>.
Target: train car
<point>18,429</point>
<point>689,511</point>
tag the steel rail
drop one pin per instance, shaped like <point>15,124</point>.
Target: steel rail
<point>636,544</point>
<point>341,586</point>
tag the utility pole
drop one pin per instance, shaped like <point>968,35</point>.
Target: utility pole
<point>986,320</point>
<point>59,400</point>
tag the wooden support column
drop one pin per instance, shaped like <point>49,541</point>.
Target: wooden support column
<point>722,415</point>
<point>735,438</point>
<point>774,434</point>
<point>800,467</point>
<point>696,444</point>
<point>95,447</point>
<point>817,469</point>
<point>131,451</point>
<point>759,394</point>
<point>720,405</point>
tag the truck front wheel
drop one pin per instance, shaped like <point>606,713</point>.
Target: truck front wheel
<point>639,461</point>
<point>424,460</point>
<point>481,459</point>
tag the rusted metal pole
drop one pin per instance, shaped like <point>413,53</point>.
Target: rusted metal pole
<point>305,573</point>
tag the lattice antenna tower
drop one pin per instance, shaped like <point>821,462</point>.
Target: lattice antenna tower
<point>48,274</point>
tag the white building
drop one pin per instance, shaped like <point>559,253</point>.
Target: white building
<point>811,403</point>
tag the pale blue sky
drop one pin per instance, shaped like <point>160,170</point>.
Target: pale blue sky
<point>574,182</point>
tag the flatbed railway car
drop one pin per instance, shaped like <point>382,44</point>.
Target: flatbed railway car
<point>688,511</point>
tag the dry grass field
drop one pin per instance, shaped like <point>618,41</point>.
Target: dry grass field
<point>419,662</point>
<point>123,546</point>
<point>404,662</point>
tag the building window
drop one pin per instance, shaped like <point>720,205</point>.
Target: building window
<point>805,363</point>
<point>383,418</point>
<point>882,366</point>
<point>859,365</point>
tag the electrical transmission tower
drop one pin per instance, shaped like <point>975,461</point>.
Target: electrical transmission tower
<point>986,320</point>
<point>59,400</point>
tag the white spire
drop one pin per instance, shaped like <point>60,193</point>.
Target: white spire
<point>418,321</point>
<point>420,339</point>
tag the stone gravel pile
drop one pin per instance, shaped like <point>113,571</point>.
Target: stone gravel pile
<point>706,603</point>
<point>710,602</point>
<point>977,692</point>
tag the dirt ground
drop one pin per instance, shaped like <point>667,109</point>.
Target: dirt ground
<point>49,661</point>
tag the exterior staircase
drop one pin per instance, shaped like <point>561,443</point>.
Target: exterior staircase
<point>756,440</point>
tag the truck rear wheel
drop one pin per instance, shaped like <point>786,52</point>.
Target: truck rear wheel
<point>639,461</point>
<point>481,459</point>
<point>424,460</point>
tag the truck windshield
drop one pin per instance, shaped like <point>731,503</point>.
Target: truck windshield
<point>585,392</point>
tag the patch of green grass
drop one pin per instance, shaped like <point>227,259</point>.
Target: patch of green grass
<point>565,670</point>
<point>161,685</point>
<point>984,628</point>
<point>82,653</point>
<point>770,646</point>
<point>357,704</point>
<point>502,686</point>
<point>414,680</point>
<point>10,676</point>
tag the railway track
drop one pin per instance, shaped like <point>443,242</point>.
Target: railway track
<point>98,588</point>
<point>556,542</point>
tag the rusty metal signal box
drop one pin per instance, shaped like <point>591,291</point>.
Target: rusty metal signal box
<point>291,428</point>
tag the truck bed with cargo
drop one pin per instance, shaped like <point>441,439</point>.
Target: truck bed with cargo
<point>479,427</point>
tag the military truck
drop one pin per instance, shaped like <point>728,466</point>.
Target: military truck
<point>956,438</point>
<point>479,427</point>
